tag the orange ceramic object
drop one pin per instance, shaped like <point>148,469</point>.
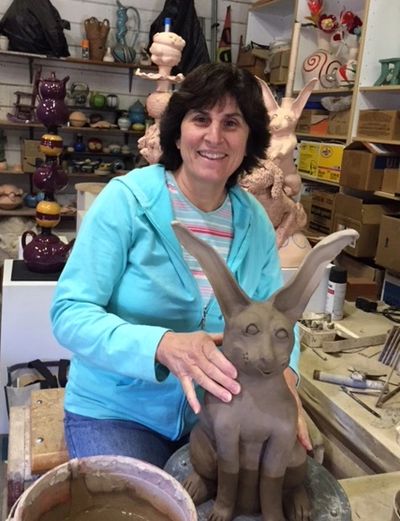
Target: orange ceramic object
<point>48,214</point>
<point>51,145</point>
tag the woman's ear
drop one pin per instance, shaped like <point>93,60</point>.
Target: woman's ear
<point>178,143</point>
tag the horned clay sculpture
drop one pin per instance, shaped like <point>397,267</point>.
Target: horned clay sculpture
<point>243,451</point>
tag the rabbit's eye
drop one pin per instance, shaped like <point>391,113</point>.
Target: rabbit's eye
<point>282,334</point>
<point>252,329</point>
<point>288,117</point>
<point>273,116</point>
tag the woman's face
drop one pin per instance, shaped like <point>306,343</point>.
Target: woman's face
<point>213,142</point>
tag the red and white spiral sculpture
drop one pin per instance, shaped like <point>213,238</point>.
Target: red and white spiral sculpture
<point>323,65</point>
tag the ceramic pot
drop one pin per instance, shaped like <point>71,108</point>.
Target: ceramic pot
<point>50,177</point>
<point>79,93</point>
<point>112,101</point>
<point>124,123</point>
<point>97,100</point>
<point>321,64</point>
<point>44,253</point>
<point>52,110</point>
<point>99,475</point>
<point>10,197</point>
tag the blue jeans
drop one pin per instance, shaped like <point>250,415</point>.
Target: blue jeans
<point>86,436</point>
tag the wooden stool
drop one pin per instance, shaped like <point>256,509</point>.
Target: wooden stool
<point>36,440</point>
<point>390,72</point>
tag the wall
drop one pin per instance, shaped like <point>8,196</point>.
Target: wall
<point>14,73</point>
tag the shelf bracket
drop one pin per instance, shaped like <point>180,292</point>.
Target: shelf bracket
<point>131,69</point>
<point>30,59</point>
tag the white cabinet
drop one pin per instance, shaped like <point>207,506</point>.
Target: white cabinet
<point>25,327</point>
<point>270,20</point>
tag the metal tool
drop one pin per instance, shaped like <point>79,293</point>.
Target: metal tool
<point>390,356</point>
<point>360,402</point>
<point>347,380</point>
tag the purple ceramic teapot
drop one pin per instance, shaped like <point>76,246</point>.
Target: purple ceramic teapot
<point>49,177</point>
<point>45,253</point>
<point>52,110</point>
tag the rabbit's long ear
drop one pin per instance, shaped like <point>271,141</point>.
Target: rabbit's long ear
<point>229,295</point>
<point>292,299</point>
<point>304,94</point>
<point>269,99</point>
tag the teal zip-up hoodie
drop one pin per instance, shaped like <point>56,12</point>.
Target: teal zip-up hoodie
<point>126,284</point>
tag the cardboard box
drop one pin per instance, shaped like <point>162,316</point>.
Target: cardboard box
<point>305,201</point>
<point>383,124</point>
<point>388,251</point>
<point>338,122</point>
<point>30,154</point>
<point>353,212</point>
<point>279,66</point>
<point>308,155</point>
<point>313,121</point>
<point>330,162</point>
<point>363,165</point>
<point>391,290</point>
<point>322,211</point>
<point>391,181</point>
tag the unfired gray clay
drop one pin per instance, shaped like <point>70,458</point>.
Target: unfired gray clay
<point>246,451</point>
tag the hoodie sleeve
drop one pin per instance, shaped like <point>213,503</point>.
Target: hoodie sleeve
<point>79,313</point>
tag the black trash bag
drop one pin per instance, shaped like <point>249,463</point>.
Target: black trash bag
<point>184,22</point>
<point>36,27</point>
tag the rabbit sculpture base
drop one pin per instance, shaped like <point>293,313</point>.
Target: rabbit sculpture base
<point>245,452</point>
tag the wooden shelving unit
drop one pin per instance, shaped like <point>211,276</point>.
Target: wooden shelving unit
<point>307,177</point>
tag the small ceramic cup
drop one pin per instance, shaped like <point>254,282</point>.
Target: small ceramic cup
<point>3,43</point>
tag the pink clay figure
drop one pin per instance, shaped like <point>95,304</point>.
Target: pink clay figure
<point>166,52</point>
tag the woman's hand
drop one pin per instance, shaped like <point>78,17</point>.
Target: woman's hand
<point>194,357</point>
<point>302,430</point>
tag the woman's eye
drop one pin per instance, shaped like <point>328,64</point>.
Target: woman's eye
<point>252,329</point>
<point>282,334</point>
<point>200,119</point>
<point>231,123</point>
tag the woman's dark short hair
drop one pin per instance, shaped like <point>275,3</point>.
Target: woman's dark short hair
<point>203,88</point>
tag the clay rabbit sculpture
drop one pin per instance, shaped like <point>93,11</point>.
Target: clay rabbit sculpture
<point>243,450</point>
<point>283,120</point>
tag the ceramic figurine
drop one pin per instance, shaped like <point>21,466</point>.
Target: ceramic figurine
<point>276,181</point>
<point>242,451</point>
<point>125,51</point>
<point>166,52</point>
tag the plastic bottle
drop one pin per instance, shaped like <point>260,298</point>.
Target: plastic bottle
<point>85,49</point>
<point>167,25</point>
<point>336,292</point>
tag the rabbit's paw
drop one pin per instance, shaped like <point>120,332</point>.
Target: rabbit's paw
<point>297,505</point>
<point>220,513</point>
<point>199,489</point>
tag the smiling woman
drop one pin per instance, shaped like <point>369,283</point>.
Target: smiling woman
<point>137,309</point>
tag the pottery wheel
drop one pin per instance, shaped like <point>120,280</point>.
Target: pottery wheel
<point>329,501</point>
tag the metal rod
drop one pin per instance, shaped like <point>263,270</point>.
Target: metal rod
<point>360,402</point>
<point>214,29</point>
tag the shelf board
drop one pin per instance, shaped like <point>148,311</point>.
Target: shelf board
<point>328,92</point>
<point>26,126</point>
<point>307,177</point>
<point>381,88</point>
<point>386,195</point>
<point>279,7</point>
<point>322,136</point>
<point>377,140</point>
<point>31,212</point>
